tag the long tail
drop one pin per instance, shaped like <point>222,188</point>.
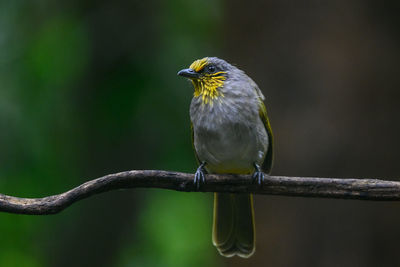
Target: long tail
<point>233,229</point>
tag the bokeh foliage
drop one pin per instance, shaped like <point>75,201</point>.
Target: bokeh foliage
<point>90,88</point>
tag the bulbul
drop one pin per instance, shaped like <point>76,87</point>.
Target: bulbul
<point>231,134</point>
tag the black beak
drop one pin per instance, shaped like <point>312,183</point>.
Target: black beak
<point>188,73</point>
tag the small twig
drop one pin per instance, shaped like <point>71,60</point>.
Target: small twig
<point>363,189</point>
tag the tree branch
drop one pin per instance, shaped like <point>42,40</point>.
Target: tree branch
<point>363,189</point>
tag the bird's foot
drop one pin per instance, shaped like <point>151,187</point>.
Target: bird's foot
<point>199,176</point>
<point>258,175</point>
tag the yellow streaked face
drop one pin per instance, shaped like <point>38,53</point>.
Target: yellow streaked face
<point>206,79</point>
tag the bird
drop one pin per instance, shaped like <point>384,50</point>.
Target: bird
<point>231,134</point>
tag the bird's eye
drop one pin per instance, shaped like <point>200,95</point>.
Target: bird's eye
<point>211,69</point>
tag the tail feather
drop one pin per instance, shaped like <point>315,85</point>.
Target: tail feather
<point>233,229</point>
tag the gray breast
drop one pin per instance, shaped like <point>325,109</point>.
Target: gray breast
<point>229,134</point>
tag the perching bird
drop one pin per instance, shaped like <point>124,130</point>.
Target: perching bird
<point>231,134</point>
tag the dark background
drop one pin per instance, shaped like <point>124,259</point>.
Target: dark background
<point>89,88</point>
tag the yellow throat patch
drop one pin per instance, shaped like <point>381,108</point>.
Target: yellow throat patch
<point>206,86</point>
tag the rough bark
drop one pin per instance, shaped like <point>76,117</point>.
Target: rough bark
<point>362,189</point>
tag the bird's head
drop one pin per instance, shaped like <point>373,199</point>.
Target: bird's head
<point>208,76</point>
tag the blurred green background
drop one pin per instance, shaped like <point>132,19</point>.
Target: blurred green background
<point>89,88</point>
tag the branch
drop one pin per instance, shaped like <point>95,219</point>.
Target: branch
<point>362,189</point>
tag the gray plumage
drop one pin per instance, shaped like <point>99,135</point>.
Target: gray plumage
<point>230,135</point>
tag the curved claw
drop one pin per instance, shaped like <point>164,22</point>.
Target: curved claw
<point>199,176</point>
<point>258,175</point>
